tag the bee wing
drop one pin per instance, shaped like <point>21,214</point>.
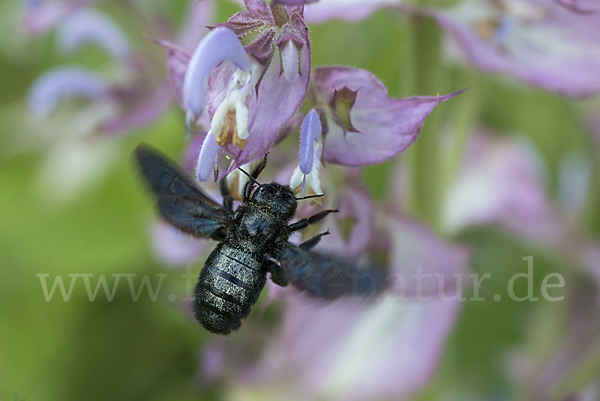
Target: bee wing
<point>328,277</point>
<point>179,200</point>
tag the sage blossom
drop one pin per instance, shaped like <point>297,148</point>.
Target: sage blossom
<point>43,15</point>
<point>362,124</point>
<point>89,106</point>
<point>539,42</point>
<point>270,72</point>
<point>132,105</point>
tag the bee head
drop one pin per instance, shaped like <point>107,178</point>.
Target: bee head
<point>277,196</point>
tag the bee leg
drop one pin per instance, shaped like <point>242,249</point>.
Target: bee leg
<point>254,174</point>
<point>277,274</point>
<point>259,168</point>
<point>227,198</point>
<point>312,242</point>
<point>303,223</point>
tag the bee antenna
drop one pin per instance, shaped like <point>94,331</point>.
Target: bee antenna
<point>249,176</point>
<point>311,196</point>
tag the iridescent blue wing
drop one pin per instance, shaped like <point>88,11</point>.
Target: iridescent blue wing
<point>329,277</point>
<point>179,200</point>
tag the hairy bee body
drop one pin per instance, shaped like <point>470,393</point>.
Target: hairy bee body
<point>236,271</point>
<point>228,285</point>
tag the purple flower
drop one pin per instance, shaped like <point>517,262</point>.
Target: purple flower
<point>134,103</point>
<point>501,181</point>
<point>216,47</point>
<point>130,93</point>
<point>363,124</point>
<point>92,26</point>
<point>270,74</point>
<point>541,43</point>
<point>310,157</point>
<point>574,5</point>
<point>177,64</point>
<point>42,15</point>
<point>62,82</point>
<point>207,159</point>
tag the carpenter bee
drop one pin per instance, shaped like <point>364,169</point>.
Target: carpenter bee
<point>253,241</point>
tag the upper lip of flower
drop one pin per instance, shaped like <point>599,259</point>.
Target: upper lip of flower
<point>219,45</point>
<point>271,72</point>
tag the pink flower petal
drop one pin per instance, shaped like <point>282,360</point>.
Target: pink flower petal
<point>93,27</point>
<point>177,64</point>
<point>501,182</point>
<point>386,126</point>
<point>219,45</point>
<point>546,45</point>
<point>55,85</point>
<point>345,351</point>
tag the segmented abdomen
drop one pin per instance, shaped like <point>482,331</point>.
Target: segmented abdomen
<point>228,285</point>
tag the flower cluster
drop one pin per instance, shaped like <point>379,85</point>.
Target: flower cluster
<point>246,87</point>
<point>249,86</point>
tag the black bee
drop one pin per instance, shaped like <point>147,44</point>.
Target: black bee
<point>253,241</point>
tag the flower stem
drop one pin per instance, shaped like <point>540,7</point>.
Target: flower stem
<point>423,77</point>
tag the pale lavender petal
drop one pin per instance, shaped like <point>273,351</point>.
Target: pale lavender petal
<point>345,351</point>
<point>217,46</point>
<point>55,85</point>
<point>588,7</point>
<point>177,65</point>
<point>355,203</point>
<point>289,128</point>
<point>547,45</point>
<point>352,10</point>
<point>310,130</point>
<point>41,16</point>
<point>355,206</point>
<point>174,247</point>
<point>190,157</point>
<point>90,26</point>
<point>207,158</point>
<point>386,126</point>
<point>142,111</point>
<point>501,181</point>
<point>422,265</point>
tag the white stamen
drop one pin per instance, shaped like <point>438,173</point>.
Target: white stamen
<point>236,100</point>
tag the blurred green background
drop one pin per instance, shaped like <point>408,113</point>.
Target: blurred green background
<point>144,350</point>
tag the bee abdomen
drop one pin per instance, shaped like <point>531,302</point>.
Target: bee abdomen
<point>228,285</point>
